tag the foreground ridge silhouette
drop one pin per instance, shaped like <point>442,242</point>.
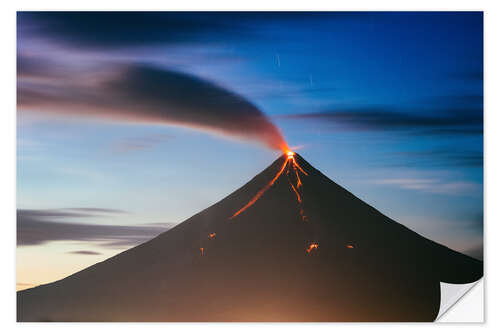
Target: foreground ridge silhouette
<point>344,262</point>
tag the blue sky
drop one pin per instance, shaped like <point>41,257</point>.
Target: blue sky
<point>388,105</point>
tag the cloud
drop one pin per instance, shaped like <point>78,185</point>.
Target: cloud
<point>474,222</point>
<point>85,252</point>
<point>474,130</point>
<point>146,94</point>
<point>440,158</point>
<point>107,30</point>
<point>98,210</point>
<point>115,30</point>
<point>442,122</point>
<point>31,67</point>
<point>475,252</point>
<point>35,227</point>
<point>458,100</point>
<point>52,213</point>
<point>69,212</point>
<point>473,225</point>
<point>431,185</point>
<point>140,143</point>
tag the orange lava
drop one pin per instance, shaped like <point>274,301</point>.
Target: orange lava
<point>298,166</point>
<point>261,192</point>
<point>299,183</point>
<point>302,215</point>
<point>211,235</point>
<point>350,246</point>
<point>312,246</point>
<point>299,199</point>
<point>290,161</point>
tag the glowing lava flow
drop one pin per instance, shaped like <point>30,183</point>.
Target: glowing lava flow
<point>261,192</point>
<point>290,161</point>
<point>296,166</point>
<point>312,247</point>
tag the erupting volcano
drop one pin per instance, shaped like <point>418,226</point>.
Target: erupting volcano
<point>289,163</point>
<point>290,245</point>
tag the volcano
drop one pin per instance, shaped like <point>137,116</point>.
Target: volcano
<point>305,249</point>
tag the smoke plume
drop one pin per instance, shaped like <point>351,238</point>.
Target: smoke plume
<point>142,94</point>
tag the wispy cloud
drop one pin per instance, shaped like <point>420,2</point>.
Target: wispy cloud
<point>69,212</point>
<point>52,213</point>
<point>459,121</point>
<point>431,185</point>
<point>476,251</point>
<point>35,227</point>
<point>85,252</point>
<point>115,30</point>
<point>458,100</point>
<point>437,158</point>
<point>140,143</point>
<point>93,210</point>
<point>119,30</point>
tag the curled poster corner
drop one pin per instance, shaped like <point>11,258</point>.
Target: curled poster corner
<point>451,295</point>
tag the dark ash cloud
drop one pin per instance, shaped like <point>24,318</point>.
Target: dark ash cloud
<point>35,227</point>
<point>146,94</point>
<point>85,252</point>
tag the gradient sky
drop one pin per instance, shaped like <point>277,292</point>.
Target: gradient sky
<point>388,105</point>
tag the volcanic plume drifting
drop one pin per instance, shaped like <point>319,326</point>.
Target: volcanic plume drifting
<point>141,94</point>
<point>345,262</point>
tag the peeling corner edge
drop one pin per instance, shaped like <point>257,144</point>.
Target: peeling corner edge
<point>451,294</point>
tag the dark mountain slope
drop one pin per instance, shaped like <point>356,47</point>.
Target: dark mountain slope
<point>256,268</point>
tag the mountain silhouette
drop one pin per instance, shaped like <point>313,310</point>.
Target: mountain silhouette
<point>330,257</point>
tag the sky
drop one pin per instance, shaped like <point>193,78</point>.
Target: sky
<point>130,123</point>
